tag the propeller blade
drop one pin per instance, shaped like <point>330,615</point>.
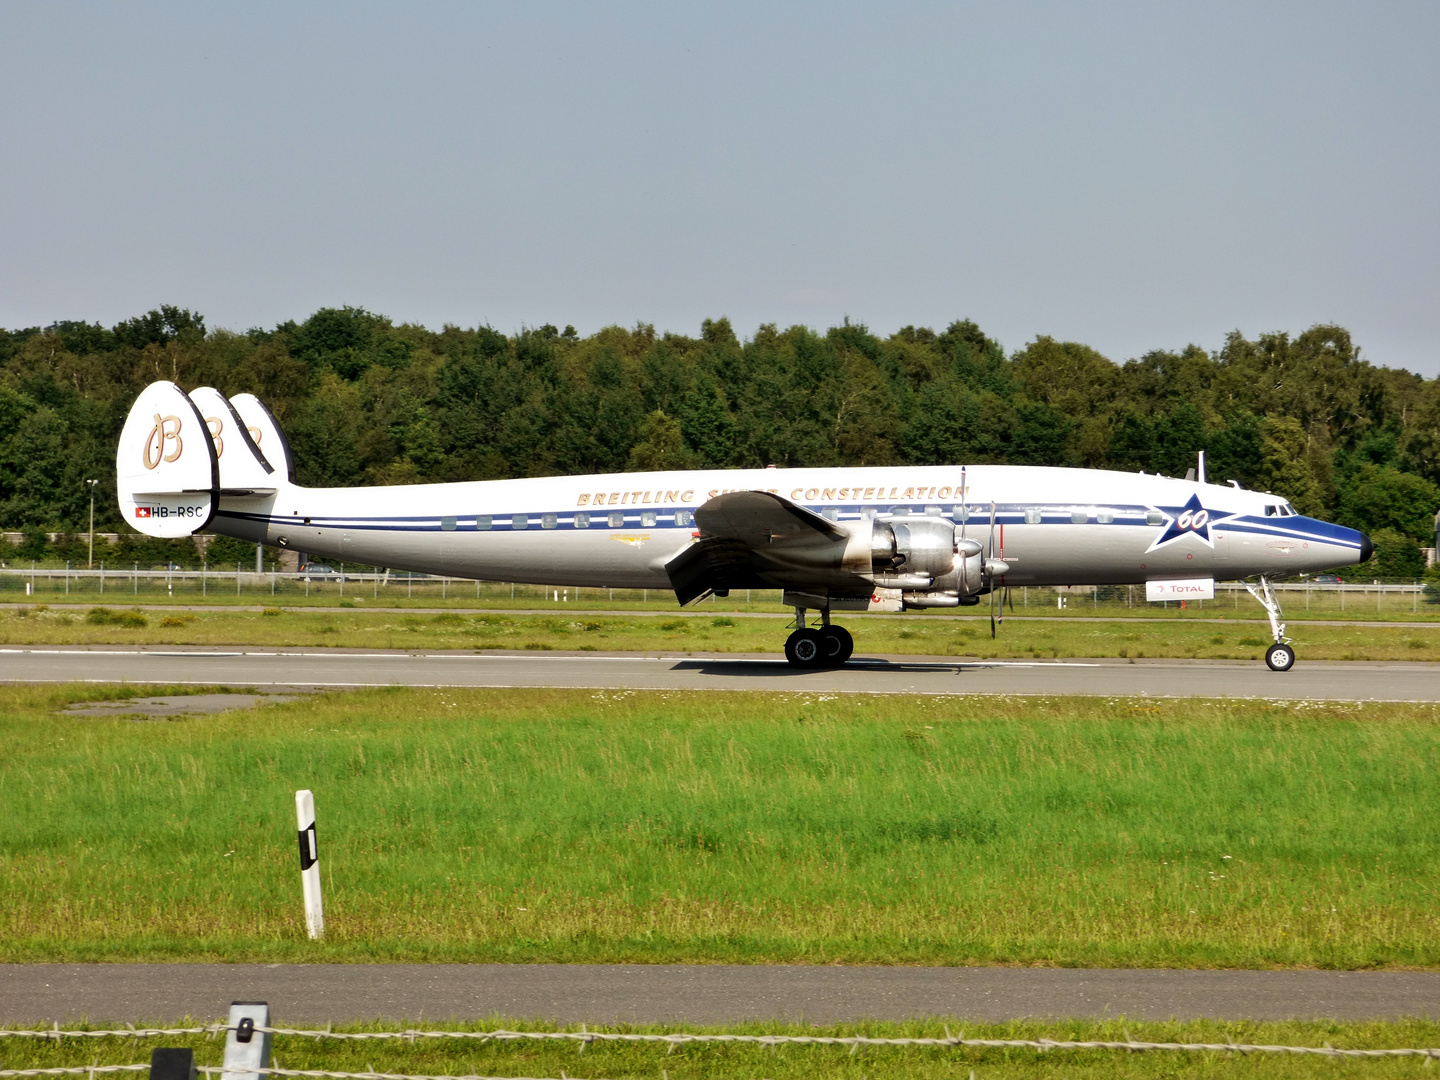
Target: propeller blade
<point>991,575</point>
<point>964,508</point>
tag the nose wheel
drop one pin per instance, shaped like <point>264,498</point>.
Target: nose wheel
<point>1280,656</point>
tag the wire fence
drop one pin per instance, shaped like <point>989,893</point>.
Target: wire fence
<point>678,1040</point>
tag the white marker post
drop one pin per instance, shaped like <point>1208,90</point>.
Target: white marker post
<point>309,863</point>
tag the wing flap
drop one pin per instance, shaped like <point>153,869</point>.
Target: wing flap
<point>752,539</point>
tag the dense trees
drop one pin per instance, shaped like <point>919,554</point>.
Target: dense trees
<point>365,401</point>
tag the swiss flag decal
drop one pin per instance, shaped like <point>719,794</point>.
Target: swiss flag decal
<point>142,511</point>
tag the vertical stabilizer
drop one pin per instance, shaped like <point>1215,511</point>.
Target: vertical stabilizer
<point>166,472</point>
<point>244,470</point>
<point>265,430</point>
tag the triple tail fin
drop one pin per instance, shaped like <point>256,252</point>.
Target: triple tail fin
<point>180,453</point>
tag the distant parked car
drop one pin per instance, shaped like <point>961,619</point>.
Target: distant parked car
<point>168,566</point>
<point>1328,579</point>
<point>321,572</point>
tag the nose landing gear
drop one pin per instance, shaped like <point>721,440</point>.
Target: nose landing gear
<point>1280,656</point>
<point>824,646</point>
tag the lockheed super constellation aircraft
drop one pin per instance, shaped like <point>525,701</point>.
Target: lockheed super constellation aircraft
<point>833,540</point>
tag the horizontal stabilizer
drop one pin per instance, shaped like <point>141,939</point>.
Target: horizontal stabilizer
<point>244,470</point>
<point>166,472</point>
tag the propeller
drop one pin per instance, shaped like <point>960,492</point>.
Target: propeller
<point>964,509</point>
<point>990,573</point>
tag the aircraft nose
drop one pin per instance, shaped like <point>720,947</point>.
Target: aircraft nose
<point>1367,547</point>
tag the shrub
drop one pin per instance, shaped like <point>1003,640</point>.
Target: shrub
<point>100,616</point>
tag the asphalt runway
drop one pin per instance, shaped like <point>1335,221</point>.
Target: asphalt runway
<point>701,994</point>
<point>262,667</point>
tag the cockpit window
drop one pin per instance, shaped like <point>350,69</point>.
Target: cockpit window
<point>1271,510</point>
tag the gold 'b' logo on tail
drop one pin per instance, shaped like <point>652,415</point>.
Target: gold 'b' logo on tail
<point>166,430</point>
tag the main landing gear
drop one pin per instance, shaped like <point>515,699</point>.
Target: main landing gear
<point>818,647</point>
<point>1280,656</point>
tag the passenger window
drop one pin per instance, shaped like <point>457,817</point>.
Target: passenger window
<point>617,520</point>
<point>482,522</point>
<point>961,513</point>
<point>1032,516</point>
<point>1154,517</point>
<point>582,520</point>
<point>447,524</point>
<point>899,511</point>
<point>647,519</point>
<point>1078,517</point>
<point>683,518</point>
<point>831,513</point>
<point>519,521</point>
<point>549,521</point>
<point>934,511</point>
<point>1105,517</point>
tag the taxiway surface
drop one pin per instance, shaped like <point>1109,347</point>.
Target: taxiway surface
<point>701,994</point>
<point>262,667</point>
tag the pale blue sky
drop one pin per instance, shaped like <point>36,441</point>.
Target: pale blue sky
<point>1133,176</point>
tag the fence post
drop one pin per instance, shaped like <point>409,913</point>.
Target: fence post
<point>246,1050</point>
<point>172,1063</point>
<point>237,579</point>
<point>309,863</point>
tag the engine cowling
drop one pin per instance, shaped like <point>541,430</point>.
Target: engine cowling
<point>924,557</point>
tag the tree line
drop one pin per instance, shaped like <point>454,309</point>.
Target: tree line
<point>366,401</point>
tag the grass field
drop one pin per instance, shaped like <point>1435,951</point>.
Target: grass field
<point>439,1057</point>
<point>1353,602</point>
<point>579,826</point>
<point>707,632</point>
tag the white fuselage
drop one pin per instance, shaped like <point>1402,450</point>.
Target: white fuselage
<point>1051,526</point>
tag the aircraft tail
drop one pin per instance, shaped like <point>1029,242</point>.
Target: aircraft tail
<point>180,453</point>
<point>166,470</point>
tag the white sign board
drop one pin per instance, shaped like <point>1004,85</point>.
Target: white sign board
<point>1201,588</point>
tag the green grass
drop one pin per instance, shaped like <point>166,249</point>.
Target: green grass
<point>648,827</point>
<point>703,1062</point>
<point>699,632</point>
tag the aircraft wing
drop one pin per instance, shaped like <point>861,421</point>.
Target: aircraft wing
<point>755,540</point>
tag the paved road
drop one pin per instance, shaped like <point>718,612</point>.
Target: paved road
<point>319,994</point>
<point>244,666</point>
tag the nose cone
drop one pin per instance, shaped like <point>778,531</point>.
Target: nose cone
<point>1367,548</point>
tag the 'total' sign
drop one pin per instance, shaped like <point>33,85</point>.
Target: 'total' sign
<point>1186,589</point>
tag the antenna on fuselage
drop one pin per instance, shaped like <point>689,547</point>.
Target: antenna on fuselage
<point>1201,476</point>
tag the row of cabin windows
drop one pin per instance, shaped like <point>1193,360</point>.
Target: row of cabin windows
<point>683,518</point>
<point>648,519</point>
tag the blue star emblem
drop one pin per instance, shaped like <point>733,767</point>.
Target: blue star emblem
<point>1191,520</point>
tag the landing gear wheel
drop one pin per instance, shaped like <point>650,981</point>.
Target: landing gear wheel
<point>804,649</point>
<point>1280,657</point>
<point>837,645</point>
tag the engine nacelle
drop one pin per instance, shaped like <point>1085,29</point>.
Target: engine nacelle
<point>924,557</point>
